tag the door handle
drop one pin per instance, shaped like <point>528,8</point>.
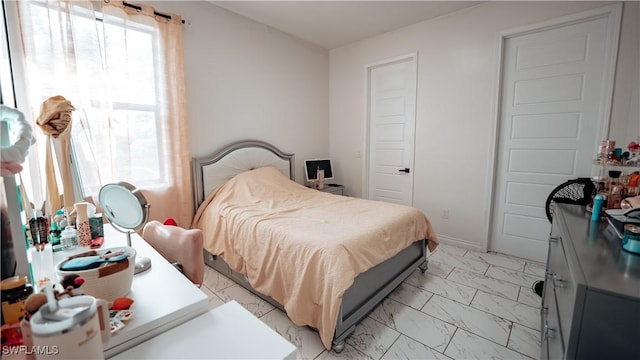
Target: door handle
<point>405,170</point>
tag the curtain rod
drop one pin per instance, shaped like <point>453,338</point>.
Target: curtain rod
<point>139,8</point>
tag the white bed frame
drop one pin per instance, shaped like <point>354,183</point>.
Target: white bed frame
<point>368,289</point>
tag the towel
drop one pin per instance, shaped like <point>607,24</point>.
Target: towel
<point>55,122</point>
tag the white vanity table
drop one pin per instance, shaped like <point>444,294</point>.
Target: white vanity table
<point>172,318</point>
<point>163,297</point>
<point>226,332</point>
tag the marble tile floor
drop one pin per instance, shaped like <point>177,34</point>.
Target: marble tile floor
<point>469,305</point>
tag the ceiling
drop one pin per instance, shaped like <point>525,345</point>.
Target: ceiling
<point>331,24</point>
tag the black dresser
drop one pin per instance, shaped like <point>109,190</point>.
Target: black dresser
<point>591,299</point>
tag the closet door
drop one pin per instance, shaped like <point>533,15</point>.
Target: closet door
<point>556,94</point>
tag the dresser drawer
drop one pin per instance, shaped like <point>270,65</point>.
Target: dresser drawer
<point>563,284</point>
<point>565,290</point>
<point>596,291</point>
<point>552,346</point>
<point>552,332</point>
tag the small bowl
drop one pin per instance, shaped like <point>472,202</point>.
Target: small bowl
<point>108,281</point>
<point>615,174</point>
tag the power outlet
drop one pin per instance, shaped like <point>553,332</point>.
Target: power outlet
<point>445,213</point>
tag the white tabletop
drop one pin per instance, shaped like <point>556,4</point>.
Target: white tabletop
<point>226,332</point>
<point>163,297</point>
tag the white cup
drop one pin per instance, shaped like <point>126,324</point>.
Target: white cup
<point>78,329</point>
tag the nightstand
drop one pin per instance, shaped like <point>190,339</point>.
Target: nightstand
<point>334,189</point>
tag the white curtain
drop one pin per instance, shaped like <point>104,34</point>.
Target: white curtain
<point>121,67</point>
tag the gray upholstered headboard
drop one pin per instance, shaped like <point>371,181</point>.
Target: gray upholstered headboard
<point>209,172</point>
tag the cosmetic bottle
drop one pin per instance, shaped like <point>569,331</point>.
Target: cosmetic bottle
<point>39,228</point>
<point>54,234</point>
<point>82,224</point>
<point>598,202</point>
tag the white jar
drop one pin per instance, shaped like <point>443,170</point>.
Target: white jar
<point>78,328</point>
<point>69,238</point>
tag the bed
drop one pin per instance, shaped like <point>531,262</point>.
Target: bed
<point>299,248</point>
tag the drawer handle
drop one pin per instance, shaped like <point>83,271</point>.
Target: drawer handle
<point>548,333</point>
<point>554,239</point>
<point>557,282</point>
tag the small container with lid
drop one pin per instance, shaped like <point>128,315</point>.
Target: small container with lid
<point>76,327</point>
<point>61,219</point>
<point>631,238</point>
<point>69,238</point>
<point>15,291</point>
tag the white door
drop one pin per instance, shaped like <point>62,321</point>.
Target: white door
<point>554,105</point>
<point>392,110</point>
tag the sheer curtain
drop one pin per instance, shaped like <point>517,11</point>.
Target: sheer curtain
<point>121,67</point>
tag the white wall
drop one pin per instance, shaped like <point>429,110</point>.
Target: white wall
<point>457,86</point>
<point>626,99</point>
<point>245,80</point>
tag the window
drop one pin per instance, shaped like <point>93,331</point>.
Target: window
<point>122,70</point>
<point>131,132</point>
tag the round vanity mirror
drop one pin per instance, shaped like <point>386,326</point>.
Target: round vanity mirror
<point>127,210</point>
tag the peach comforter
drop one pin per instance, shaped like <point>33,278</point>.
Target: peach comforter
<point>301,246</point>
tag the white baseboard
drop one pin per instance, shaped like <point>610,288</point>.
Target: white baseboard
<point>447,240</point>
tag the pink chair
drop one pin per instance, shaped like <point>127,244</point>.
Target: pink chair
<point>178,246</point>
